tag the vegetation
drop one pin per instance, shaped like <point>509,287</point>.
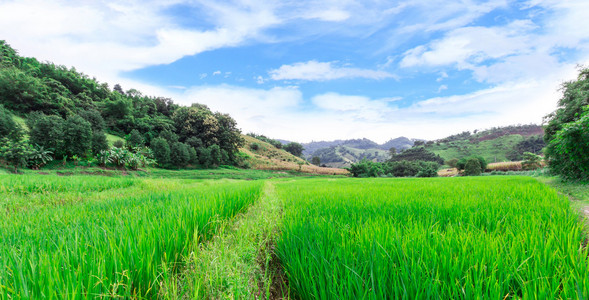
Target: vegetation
<point>112,246</point>
<point>417,153</point>
<point>383,238</point>
<point>70,114</point>
<point>403,168</point>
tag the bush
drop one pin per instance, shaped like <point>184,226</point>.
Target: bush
<point>118,144</point>
<point>135,139</point>
<point>254,146</point>
<point>179,154</point>
<point>568,152</point>
<point>47,132</point>
<point>161,151</point>
<point>99,142</point>
<point>472,167</point>
<point>8,128</point>
<point>452,162</point>
<point>461,164</point>
<point>77,136</point>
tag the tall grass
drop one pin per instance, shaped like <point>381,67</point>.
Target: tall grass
<point>443,238</point>
<point>117,247</point>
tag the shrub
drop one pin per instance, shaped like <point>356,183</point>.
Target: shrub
<point>179,154</point>
<point>77,136</point>
<point>254,146</point>
<point>118,144</point>
<point>161,151</point>
<point>99,142</point>
<point>472,167</point>
<point>135,139</point>
<point>452,162</point>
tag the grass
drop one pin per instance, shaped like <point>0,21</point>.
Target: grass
<point>578,192</point>
<point>492,150</point>
<point>239,262</point>
<point>117,246</point>
<point>443,238</point>
<point>111,139</point>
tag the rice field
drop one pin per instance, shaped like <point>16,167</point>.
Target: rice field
<point>118,246</point>
<point>89,237</point>
<point>443,238</point>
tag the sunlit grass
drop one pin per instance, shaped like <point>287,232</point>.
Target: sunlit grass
<point>444,238</point>
<point>110,247</point>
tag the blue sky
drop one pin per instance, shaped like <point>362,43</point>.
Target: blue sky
<point>322,70</point>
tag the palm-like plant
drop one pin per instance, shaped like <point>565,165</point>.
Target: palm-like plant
<point>39,156</point>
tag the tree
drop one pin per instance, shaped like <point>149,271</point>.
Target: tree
<point>47,131</point>
<point>452,162</point>
<point>294,148</point>
<point>417,153</point>
<point>39,156</point>
<point>8,127</point>
<point>193,156</point>
<point>316,160</point>
<point>77,136</point>
<point>161,151</point>
<point>215,155</point>
<point>15,153</point>
<point>99,142</point>
<point>135,139</point>
<point>94,118</point>
<point>575,96</point>
<point>567,152</point>
<point>461,164</point>
<point>531,161</point>
<point>179,154</point>
<point>472,167</point>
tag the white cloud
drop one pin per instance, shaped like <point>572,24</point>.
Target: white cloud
<point>216,73</point>
<point>322,71</point>
<point>442,87</point>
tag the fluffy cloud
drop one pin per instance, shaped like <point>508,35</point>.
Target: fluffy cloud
<point>321,71</point>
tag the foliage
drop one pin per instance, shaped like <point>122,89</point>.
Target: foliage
<point>472,167</point>
<point>161,151</point>
<point>254,146</point>
<point>8,127</point>
<point>15,153</point>
<point>294,148</point>
<point>39,156</point>
<point>531,161</point>
<point>99,141</point>
<point>118,144</point>
<point>27,85</point>
<point>268,140</point>
<point>575,97</point>
<point>134,139</point>
<point>461,164</point>
<point>533,144</point>
<point>179,154</point>
<point>448,238</point>
<point>316,160</point>
<point>417,153</point>
<point>452,162</point>
<point>77,136</point>
<point>121,237</point>
<point>47,131</point>
<point>567,152</point>
<point>403,168</point>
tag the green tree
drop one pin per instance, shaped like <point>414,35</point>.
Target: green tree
<point>8,127</point>
<point>568,151</point>
<point>531,161</point>
<point>472,167</point>
<point>179,154</point>
<point>215,155</point>
<point>294,148</point>
<point>77,136</point>
<point>204,157</point>
<point>193,155</point>
<point>417,153</point>
<point>135,139</point>
<point>15,153</point>
<point>316,160</point>
<point>47,132</point>
<point>99,142</point>
<point>575,96</point>
<point>161,151</point>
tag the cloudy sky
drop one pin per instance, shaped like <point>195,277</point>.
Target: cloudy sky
<point>322,70</point>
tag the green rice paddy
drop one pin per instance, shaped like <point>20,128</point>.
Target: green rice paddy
<point>88,237</point>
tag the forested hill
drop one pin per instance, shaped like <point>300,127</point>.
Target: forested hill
<point>54,96</point>
<point>506,143</point>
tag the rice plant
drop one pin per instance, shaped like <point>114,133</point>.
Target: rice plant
<point>114,248</point>
<point>443,238</point>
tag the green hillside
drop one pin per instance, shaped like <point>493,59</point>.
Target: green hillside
<point>494,150</point>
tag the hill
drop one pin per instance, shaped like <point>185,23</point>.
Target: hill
<point>343,153</point>
<point>264,156</point>
<point>497,144</point>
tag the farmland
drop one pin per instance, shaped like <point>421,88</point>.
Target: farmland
<point>86,237</point>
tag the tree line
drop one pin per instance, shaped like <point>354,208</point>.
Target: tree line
<point>69,114</point>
